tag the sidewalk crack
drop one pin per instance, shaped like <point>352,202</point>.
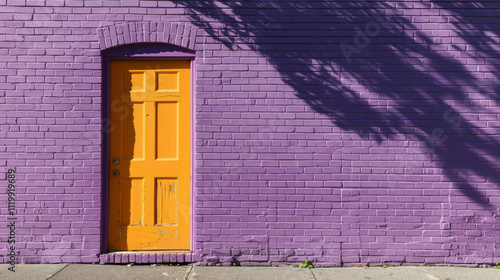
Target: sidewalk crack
<point>314,276</point>
<point>189,272</point>
<point>429,275</point>
<point>58,271</point>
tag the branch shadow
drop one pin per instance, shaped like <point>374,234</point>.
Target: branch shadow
<point>381,73</point>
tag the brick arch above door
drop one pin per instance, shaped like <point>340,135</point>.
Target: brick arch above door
<point>177,34</point>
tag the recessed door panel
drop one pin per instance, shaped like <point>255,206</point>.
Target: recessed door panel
<point>167,201</point>
<point>132,208</point>
<point>167,81</point>
<point>167,141</point>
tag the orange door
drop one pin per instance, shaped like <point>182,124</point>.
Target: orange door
<point>149,195</point>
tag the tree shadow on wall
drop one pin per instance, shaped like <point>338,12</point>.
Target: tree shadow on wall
<point>382,73</point>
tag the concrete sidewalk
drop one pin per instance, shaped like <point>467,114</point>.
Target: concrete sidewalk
<point>90,271</point>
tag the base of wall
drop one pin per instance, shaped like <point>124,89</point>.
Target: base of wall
<point>147,258</point>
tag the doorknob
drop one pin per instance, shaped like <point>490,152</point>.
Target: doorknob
<point>116,160</point>
<point>116,172</point>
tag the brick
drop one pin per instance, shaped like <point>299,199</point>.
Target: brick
<point>297,142</point>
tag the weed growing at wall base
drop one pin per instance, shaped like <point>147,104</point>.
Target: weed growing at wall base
<point>306,264</point>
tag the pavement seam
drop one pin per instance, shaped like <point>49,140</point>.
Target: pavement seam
<point>58,271</point>
<point>314,276</point>
<point>429,275</point>
<point>189,273</point>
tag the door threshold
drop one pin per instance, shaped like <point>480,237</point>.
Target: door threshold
<point>152,252</point>
<point>147,257</point>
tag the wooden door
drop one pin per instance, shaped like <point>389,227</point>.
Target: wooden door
<point>149,159</point>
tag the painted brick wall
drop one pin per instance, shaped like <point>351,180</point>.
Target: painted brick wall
<point>346,132</point>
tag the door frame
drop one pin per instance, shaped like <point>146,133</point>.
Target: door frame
<point>146,51</point>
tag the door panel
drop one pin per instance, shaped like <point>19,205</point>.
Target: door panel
<point>132,203</point>
<point>167,199</point>
<point>149,196</point>
<point>167,115</point>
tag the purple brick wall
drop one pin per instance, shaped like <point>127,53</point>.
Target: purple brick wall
<point>347,132</point>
